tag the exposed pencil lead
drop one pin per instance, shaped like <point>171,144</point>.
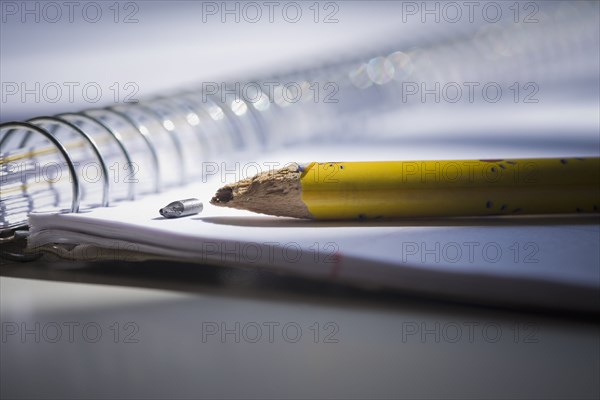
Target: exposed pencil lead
<point>223,195</point>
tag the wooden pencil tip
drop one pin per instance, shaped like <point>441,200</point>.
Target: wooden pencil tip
<point>273,192</point>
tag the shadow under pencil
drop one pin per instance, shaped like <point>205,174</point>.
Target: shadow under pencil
<point>525,220</point>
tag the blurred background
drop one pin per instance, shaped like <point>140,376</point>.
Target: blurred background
<point>542,56</point>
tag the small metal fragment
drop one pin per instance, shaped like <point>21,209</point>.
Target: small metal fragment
<point>182,208</point>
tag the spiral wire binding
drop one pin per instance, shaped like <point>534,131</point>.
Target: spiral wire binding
<point>158,143</point>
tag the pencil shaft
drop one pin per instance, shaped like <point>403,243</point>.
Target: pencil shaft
<point>451,188</point>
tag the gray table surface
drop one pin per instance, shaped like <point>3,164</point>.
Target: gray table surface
<point>165,330</point>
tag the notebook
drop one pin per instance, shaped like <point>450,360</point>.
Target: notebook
<point>88,185</point>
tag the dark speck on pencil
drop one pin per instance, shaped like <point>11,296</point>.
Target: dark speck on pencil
<point>489,204</point>
<point>563,161</point>
<point>341,167</point>
<point>362,216</point>
<point>503,207</point>
<point>579,209</point>
<point>494,169</point>
<point>502,166</point>
<point>511,162</point>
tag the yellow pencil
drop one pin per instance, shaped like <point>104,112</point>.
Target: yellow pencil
<point>372,190</point>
